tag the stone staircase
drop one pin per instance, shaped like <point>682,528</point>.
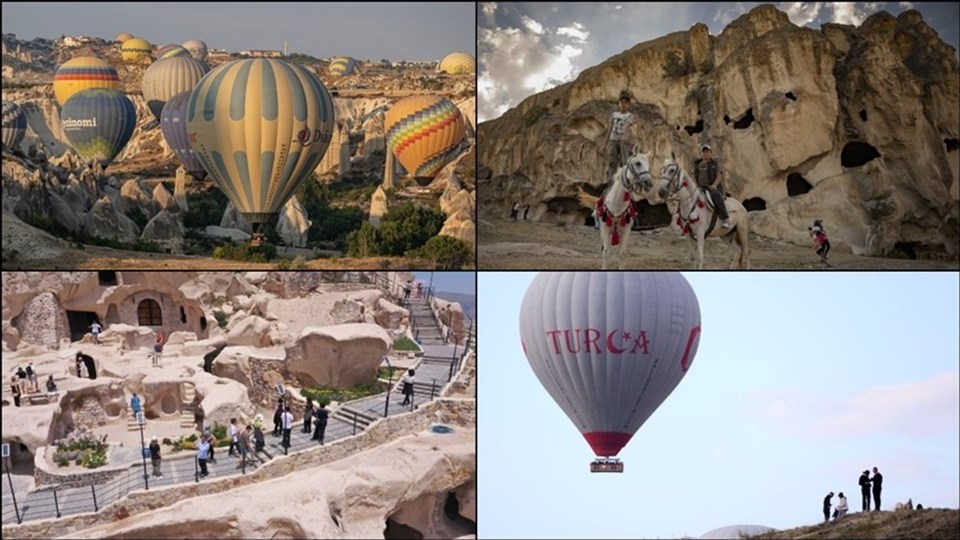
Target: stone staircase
<point>428,330</point>
<point>346,414</point>
<point>188,393</point>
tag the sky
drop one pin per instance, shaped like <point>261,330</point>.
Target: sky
<point>396,31</point>
<point>526,48</point>
<point>801,381</point>
<point>455,282</point>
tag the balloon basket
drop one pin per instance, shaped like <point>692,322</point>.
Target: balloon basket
<point>606,465</point>
<point>257,240</point>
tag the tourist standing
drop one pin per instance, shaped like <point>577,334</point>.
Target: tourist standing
<point>15,390</point>
<point>32,376</point>
<point>322,414</point>
<point>877,482</point>
<point>21,380</point>
<point>51,385</point>
<point>234,437</point>
<point>307,415</point>
<point>865,490</point>
<point>155,456</point>
<point>203,452</point>
<point>276,417</point>
<point>158,350</point>
<point>243,440</point>
<point>95,329</point>
<point>406,291</point>
<point>408,379</point>
<point>213,444</point>
<point>826,506</point>
<point>286,419</point>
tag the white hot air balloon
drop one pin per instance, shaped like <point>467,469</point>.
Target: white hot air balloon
<point>609,347</point>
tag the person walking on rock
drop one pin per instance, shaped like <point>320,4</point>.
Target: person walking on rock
<point>826,506</point>
<point>865,490</point>
<point>95,329</point>
<point>408,379</point>
<point>155,456</point>
<point>406,291</point>
<point>877,482</point>
<point>243,439</point>
<point>321,424</point>
<point>234,434</point>
<point>307,415</point>
<point>203,452</point>
<point>135,404</point>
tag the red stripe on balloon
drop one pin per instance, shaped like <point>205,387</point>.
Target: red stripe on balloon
<point>685,361</point>
<point>426,131</point>
<point>607,443</point>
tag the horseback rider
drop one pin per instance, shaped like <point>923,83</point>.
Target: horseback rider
<point>708,175</point>
<point>619,135</point>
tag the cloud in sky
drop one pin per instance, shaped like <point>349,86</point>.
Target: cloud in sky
<point>916,409</point>
<point>576,31</point>
<point>532,25</point>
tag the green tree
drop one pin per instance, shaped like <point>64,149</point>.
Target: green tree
<point>364,242</point>
<point>446,252</point>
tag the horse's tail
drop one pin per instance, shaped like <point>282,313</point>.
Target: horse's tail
<point>587,200</point>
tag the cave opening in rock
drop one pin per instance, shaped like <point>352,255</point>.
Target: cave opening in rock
<point>697,128</point>
<point>906,248</point>
<point>651,216</point>
<point>451,509</point>
<point>183,315</point>
<point>745,122</point>
<point>755,204</point>
<point>797,184</point>
<point>726,119</point>
<point>79,322</point>
<point>856,154</point>
<point>21,458</point>
<point>863,114</point>
<point>203,323</point>
<point>952,144</point>
<point>562,205</point>
<point>791,96</point>
<point>107,279</point>
<point>211,357</point>
<point>399,531</point>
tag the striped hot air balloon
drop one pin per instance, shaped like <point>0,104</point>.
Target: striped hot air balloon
<point>197,48</point>
<point>98,123</point>
<point>14,125</point>
<point>168,77</point>
<point>424,133</point>
<point>82,73</point>
<point>259,127</point>
<point>172,51</point>
<point>123,36</point>
<point>173,124</point>
<point>135,50</point>
<point>456,63</point>
<point>342,65</point>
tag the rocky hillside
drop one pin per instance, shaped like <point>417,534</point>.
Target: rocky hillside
<point>855,125</point>
<point>930,523</point>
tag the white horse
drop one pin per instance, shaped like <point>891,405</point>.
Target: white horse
<point>616,208</point>
<point>698,219</point>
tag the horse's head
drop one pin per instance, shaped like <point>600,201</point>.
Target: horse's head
<point>636,175</point>
<point>669,177</point>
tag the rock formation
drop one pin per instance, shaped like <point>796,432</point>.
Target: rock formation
<point>378,205</point>
<point>166,228</point>
<point>293,224</point>
<point>341,356</point>
<point>858,126</point>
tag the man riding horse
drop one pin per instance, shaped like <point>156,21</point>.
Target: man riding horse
<point>709,175</point>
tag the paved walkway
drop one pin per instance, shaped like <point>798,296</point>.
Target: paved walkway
<point>179,468</point>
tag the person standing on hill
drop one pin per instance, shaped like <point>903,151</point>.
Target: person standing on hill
<point>619,135</point>
<point>155,456</point>
<point>321,424</point>
<point>826,506</point>
<point>865,489</point>
<point>95,329</point>
<point>877,482</point>
<point>307,416</point>
<point>286,419</point>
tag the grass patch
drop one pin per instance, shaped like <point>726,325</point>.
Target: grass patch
<point>326,395</point>
<point>403,343</point>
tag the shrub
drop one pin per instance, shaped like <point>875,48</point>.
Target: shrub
<point>446,252</point>
<point>219,431</point>
<point>138,217</point>
<point>403,343</point>
<point>192,438</point>
<point>364,242</point>
<point>675,65</point>
<point>167,441</point>
<point>246,253</point>
<point>205,208</point>
<point>326,395</point>
<point>299,263</point>
<point>221,318</point>
<point>61,461</point>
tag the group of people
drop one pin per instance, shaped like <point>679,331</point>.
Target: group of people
<point>26,381</point>
<point>867,483</point>
<point>515,211</point>
<point>312,415</point>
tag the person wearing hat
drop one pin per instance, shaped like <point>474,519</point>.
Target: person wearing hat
<point>865,490</point>
<point>708,174</point>
<point>618,135</point>
<point>155,456</point>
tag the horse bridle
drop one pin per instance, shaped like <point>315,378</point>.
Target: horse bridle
<point>636,174</point>
<point>673,184</point>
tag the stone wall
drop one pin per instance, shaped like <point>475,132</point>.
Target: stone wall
<point>448,411</point>
<point>46,474</point>
<point>43,321</point>
<point>169,310</point>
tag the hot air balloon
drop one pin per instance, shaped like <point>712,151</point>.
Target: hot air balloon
<point>123,36</point>
<point>82,73</point>
<point>197,48</point>
<point>173,124</point>
<point>342,65</point>
<point>424,133</point>
<point>171,51</point>
<point>609,347</point>
<point>458,62</point>
<point>135,50</point>
<point>168,77</point>
<point>260,128</point>
<point>14,125</point>
<point>98,123</point>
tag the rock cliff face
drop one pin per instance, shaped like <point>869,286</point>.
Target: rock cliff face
<point>855,125</point>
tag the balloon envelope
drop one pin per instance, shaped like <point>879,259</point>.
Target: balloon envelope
<point>82,73</point>
<point>123,36</point>
<point>197,48</point>
<point>135,50</point>
<point>609,347</point>
<point>343,65</point>
<point>14,125</point>
<point>458,62</point>
<point>259,127</point>
<point>98,123</point>
<point>173,124</point>
<point>168,77</point>
<point>424,133</point>
<point>172,51</point>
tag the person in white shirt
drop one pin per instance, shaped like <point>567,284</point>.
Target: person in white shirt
<point>841,509</point>
<point>286,420</point>
<point>95,329</point>
<point>619,135</point>
<point>408,379</point>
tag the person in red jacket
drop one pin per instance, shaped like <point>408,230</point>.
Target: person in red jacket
<point>820,239</point>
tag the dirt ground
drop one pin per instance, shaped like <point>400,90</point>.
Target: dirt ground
<point>506,244</point>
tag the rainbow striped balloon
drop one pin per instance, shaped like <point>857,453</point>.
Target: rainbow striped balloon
<point>259,127</point>
<point>82,73</point>
<point>424,133</point>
